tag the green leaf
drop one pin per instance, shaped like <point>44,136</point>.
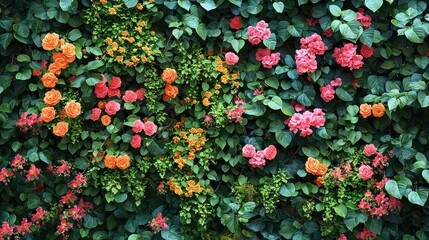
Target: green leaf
<point>89,222</point>
<point>94,65</point>
<point>130,3</point>
<point>186,4</point>
<point>74,34</point>
<point>271,42</point>
<point>207,4</point>
<point>92,81</point>
<point>374,225</point>
<point>351,220</point>
<point>392,189</point>
<point>275,103</point>
<point>288,190</point>
<point>272,82</point>
<point>66,5</point>
<point>278,6</point>
<point>191,21</point>
<point>347,32</point>
<point>177,33</point>
<point>23,58</point>
<point>343,94</point>
<point>284,138</point>
<point>418,197</point>
<point>335,10</point>
<point>341,210</point>
<point>25,74</point>
<point>412,36</point>
<point>237,45</point>
<point>202,31</point>
<point>231,222</point>
<point>373,5</point>
<point>5,39</point>
<point>425,175</point>
<point>121,198</point>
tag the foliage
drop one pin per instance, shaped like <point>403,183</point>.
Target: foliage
<point>226,119</point>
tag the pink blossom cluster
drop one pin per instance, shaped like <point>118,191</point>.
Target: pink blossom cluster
<point>365,20</point>
<point>5,175</point>
<point>111,89</point>
<point>379,160</point>
<point>257,158</point>
<point>33,173</point>
<point>306,120</point>
<point>25,122</point>
<point>78,182</point>
<point>149,128</point>
<point>267,58</point>
<point>327,93</point>
<point>18,162</point>
<point>378,205</point>
<point>306,56</point>
<point>62,170</point>
<point>258,33</point>
<point>236,114</point>
<point>158,223</point>
<point>39,216</point>
<point>366,234</point>
<point>346,56</point>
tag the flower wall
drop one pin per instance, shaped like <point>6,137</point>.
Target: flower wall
<point>214,119</point>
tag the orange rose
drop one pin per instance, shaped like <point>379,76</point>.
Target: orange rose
<point>170,91</point>
<point>322,169</point>
<point>49,80</point>
<point>106,120</point>
<point>69,50</point>
<point>73,109</point>
<point>312,165</point>
<point>52,97</point>
<point>37,72</point>
<point>365,110</point>
<point>61,129</point>
<point>54,68</point>
<point>123,162</point>
<point>50,41</point>
<point>102,104</point>
<point>60,60</point>
<point>169,75</point>
<point>378,110</point>
<point>319,181</point>
<point>110,161</point>
<point>48,114</point>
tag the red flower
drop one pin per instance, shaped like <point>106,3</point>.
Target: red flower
<point>235,23</point>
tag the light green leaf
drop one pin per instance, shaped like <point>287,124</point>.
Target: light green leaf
<point>373,5</point>
<point>392,189</point>
<point>278,6</point>
<point>341,210</point>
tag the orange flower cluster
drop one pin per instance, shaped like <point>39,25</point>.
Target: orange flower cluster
<point>377,110</point>
<point>227,77</point>
<point>121,162</point>
<point>174,186</point>
<point>195,143</point>
<point>315,167</point>
<point>192,188</point>
<point>169,76</point>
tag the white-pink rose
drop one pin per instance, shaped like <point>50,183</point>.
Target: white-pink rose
<point>257,161</point>
<point>248,151</point>
<point>365,172</point>
<point>136,141</point>
<point>129,96</point>
<point>112,107</point>
<point>138,126</point>
<point>369,149</point>
<point>149,128</point>
<point>231,58</point>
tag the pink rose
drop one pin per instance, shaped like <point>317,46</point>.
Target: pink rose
<point>366,51</point>
<point>336,82</point>
<point>112,107</point>
<point>101,92</point>
<point>115,83</point>
<point>248,151</point>
<point>369,149</point>
<point>136,141</point>
<point>327,93</point>
<point>138,126</point>
<point>231,58</point>
<point>141,94</point>
<point>149,128</point>
<point>365,172</point>
<point>129,96</point>
<point>95,114</point>
<point>270,152</point>
<point>235,23</point>
<point>261,53</point>
<point>257,161</point>
<point>113,92</point>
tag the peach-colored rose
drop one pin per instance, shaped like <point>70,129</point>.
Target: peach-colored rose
<point>312,165</point>
<point>123,162</point>
<point>365,110</point>
<point>52,97</point>
<point>61,129</point>
<point>48,114</point>
<point>73,109</point>
<point>69,50</point>
<point>50,41</point>
<point>110,161</point>
<point>49,80</point>
<point>169,75</point>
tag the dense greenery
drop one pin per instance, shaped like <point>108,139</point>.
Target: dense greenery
<point>214,119</point>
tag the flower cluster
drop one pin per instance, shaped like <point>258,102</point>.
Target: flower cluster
<point>377,110</point>
<point>158,223</point>
<point>346,56</point>
<point>122,162</point>
<point>306,56</point>
<point>257,158</point>
<point>366,51</point>
<point>148,127</point>
<point>187,144</point>
<point>306,120</point>
<point>327,92</point>
<point>170,91</point>
<point>26,121</point>
<point>258,33</point>
<point>236,114</point>
<point>366,234</point>
<point>267,58</point>
<point>365,20</point>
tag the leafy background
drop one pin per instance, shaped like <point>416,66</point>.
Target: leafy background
<point>279,200</point>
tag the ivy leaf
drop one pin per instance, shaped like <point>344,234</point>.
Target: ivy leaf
<point>284,138</point>
<point>278,6</point>
<point>418,197</point>
<point>392,189</point>
<point>207,4</point>
<point>237,45</point>
<point>202,31</point>
<point>351,220</point>
<point>343,94</point>
<point>335,10</point>
<point>186,4</point>
<point>288,190</point>
<point>373,5</point>
<point>341,210</point>
<point>231,222</point>
<point>275,103</point>
<point>271,41</point>
<point>412,36</point>
<point>66,5</point>
<point>5,39</point>
<point>130,3</point>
